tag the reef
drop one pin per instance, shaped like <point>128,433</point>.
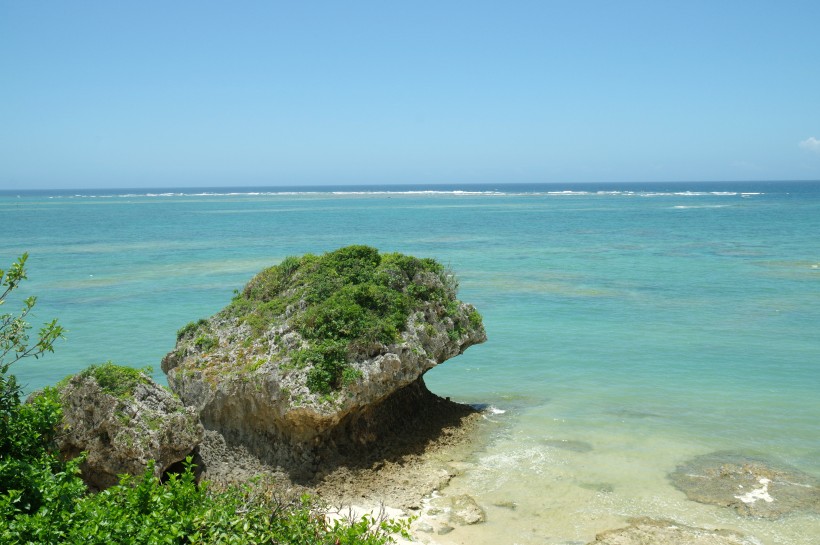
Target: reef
<point>751,486</point>
<point>665,532</point>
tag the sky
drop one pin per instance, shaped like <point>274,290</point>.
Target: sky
<point>205,93</point>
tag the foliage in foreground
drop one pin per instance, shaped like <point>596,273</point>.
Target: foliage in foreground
<point>43,500</point>
<point>145,511</point>
<point>27,465</point>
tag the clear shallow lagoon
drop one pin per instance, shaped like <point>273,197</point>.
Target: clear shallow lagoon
<point>646,323</point>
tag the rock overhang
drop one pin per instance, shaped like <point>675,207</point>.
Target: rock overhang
<point>317,343</point>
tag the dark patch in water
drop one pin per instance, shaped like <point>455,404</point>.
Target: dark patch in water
<point>631,413</point>
<point>602,488</point>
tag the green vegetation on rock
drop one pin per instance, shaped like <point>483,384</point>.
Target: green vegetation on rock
<point>342,302</point>
<point>190,328</point>
<point>117,380</point>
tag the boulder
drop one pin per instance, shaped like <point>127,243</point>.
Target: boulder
<point>461,510</point>
<point>320,356</point>
<point>123,420</point>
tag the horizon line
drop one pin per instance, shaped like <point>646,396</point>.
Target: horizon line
<point>308,187</point>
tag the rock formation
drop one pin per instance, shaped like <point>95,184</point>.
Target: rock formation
<point>750,486</point>
<point>666,532</point>
<point>319,357</point>
<point>122,419</point>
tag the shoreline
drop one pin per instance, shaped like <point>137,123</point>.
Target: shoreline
<point>397,480</point>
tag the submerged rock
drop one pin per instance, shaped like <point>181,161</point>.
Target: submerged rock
<point>465,510</point>
<point>321,356</point>
<point>441,514</point>
<point>664,532</point>
<point>750,486</point>
<point>122,419</point>
<point>569,444</point>
<point>600,488</point>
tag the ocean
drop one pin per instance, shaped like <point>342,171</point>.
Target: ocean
<point>631,327</point>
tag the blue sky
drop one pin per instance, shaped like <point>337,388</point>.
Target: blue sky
<point>152,94</point>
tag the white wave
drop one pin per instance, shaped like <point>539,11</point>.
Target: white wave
<point>758,493</point>
<point>409,192</point>
<point>696,206</point>
<point>421,192</point>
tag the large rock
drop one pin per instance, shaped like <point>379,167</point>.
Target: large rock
<point>123,424</point>
<point>321,356</point>
<point>751,486</point>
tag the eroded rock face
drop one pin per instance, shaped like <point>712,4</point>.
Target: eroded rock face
<point>665,532</point>
<point>752,487</point>
<point>249,374</point>
<point>122,434</point>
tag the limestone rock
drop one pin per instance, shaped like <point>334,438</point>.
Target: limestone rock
<point>121,434</point>
<point>320,356</point>
<point>665,532</point>
<point>752,487</point>
<point>442,513</point>
<point>462,510</point>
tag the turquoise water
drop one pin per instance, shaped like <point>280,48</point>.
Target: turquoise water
<point>652,322</point>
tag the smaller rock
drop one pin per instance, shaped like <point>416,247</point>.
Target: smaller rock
<point>124,430</point>
<point>466,511</point>
<point>461,510</point>
<point>424,527</point>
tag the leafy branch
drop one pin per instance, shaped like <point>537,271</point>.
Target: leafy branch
<point>14,329</point>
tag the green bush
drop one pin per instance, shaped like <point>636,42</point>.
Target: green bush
<point>190,328</point>
<point>144,511</point>
<point>206,343</point>
<point>327,361</point>
<point>117,380</point>
<point>27,464</point>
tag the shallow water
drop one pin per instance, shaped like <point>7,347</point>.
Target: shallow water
<point>630,328</point>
